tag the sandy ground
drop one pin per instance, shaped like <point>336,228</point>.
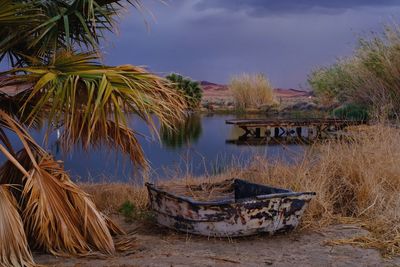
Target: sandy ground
<point>162,247</point>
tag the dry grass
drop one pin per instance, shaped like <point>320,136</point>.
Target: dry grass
<point>356,182</point>
<point>251,91</point>
<point>109,197</point>
<point>203,191</point>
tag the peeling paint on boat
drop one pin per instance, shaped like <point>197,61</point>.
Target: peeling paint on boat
<point>253,209</point>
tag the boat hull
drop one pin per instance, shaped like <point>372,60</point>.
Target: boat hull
<point>271,213</point>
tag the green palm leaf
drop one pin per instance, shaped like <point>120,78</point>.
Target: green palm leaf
<point>39,28</point>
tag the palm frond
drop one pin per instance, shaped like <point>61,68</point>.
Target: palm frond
<point>40,28</point>
<point>13,12</point>
<point>14,249</point>
<point>59,217</point>
<point>92,102</point>
<point>11,104</point>
<point>17,19</point>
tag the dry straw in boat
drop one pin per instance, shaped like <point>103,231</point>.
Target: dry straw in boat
<point>201,191</point>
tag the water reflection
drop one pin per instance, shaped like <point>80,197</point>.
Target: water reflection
<point>184,133</point>
<point>198,147</point>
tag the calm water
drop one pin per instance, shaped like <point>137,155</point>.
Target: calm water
<point>199,148</point>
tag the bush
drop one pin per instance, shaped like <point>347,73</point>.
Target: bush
<point>332,83</point>
<point>251,91</point>
<point>369,78</point>
<point>128,209</point>
<point>133,213</point>
<point>351,112</point>
<point>191,89</point>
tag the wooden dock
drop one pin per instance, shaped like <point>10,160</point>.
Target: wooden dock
<point>277,131</point>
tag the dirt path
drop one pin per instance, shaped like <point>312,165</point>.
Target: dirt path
<point>166,248</point>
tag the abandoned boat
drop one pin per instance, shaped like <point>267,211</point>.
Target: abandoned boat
<point>230,208</point>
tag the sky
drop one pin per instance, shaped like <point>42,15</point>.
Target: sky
<point>215,39</point>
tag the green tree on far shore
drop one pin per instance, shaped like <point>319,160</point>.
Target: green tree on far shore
<point>190,89</point>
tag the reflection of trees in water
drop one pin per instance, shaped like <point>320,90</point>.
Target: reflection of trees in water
<point>184,133</point>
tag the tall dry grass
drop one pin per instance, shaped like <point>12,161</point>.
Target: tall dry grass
<point>356,182</point>
<point>251,90</point>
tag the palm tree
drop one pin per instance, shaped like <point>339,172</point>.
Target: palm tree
<point>74,93</point>
<point>191,89</point>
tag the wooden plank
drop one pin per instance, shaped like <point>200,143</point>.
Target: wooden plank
<point>292,122</point>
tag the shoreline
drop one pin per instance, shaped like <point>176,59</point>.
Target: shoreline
<point>163,247</point>
<point>346,184</point>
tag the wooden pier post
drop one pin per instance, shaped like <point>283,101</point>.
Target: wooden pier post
<point>276,132</point>
<point>268,132</point>
<point>298,131</point>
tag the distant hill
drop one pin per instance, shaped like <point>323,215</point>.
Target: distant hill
<point>208,86</point>
<point>219,90</point>
<point>290,92</point>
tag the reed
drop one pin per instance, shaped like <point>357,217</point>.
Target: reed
<point>369,77</point>
<point>251,91</point>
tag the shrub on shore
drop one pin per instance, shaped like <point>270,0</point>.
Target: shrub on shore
<point>369,77</point>
<point>356,182</point>
<point>351,112</point>
<point>190,89</point>
<point>251,91</point>
<point>331,83</point>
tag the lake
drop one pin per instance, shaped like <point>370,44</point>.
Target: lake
<point>199,148</point>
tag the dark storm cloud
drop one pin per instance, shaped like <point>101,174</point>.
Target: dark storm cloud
<point>279,7</point>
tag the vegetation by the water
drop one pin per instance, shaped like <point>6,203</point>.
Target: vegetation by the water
<point>190,89</point>
<point>368,78</point>
<point>251,91</point>
<point>356,182</point>
<point>351,112</point>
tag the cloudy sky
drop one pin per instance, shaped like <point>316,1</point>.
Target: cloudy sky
<point>215,39</point>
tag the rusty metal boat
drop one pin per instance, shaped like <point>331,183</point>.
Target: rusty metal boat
<point>244,209</point>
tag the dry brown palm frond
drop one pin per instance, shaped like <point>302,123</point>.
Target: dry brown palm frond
<point>14,249</point>
<point>118,135</point>
<point>59,217</point>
